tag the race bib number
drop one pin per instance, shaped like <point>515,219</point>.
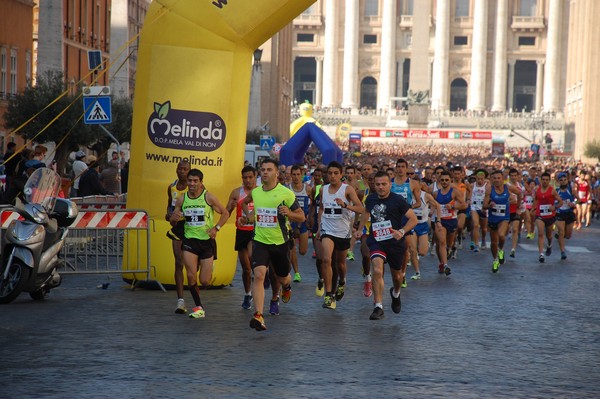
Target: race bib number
<point>477,204</point>
<point>382,230</point>
<point>545,210</point>
<point>419,214</point>
<point>446,213</point>
<point>529,202</point>
<point>266,217</point>
<point>173,198</point>
<point>194,217</point>
<point>332,211</point>
<point>499,210</point>
<point>300,202</point>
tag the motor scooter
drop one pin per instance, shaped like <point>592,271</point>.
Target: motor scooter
<point>31,244</point>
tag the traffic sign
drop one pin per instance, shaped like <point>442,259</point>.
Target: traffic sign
<point>97,110</point>
<point>266,142</point>
<point>276,148</point>
<point>96,91</point>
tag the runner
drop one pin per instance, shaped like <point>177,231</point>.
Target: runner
<point>303,193</point>
<point>543,203</point>
<point>422,230</point>
<point>199,245</point>
<point>313,223</point>
<point>458,179</point>
<point>479,216</point>
<point>175,190</point>
<point>339,200</point>
<point>497,201</point>
<point>274,205</point>
<point>583,200</point>
<point>565,216</point>
<point>388,212</point>
<point>517,210</point>
<point>244,232</point>
<point>364,248</point>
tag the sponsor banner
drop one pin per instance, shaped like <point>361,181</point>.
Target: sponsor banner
<point>426,134</point>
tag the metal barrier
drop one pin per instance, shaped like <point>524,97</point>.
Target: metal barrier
<point>103,241</point>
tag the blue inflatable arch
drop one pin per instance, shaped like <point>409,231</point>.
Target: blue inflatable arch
<point>293,151</point>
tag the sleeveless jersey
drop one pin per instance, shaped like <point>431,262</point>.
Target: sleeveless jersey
<point>568,198</point>
<point>271,227</point>
<point>238,211</point>
<point>175,194</point>
<point>301,197</point>
<point>477,196</point>
<point>335,220</point>
<point>445,199</point>
<point>501,209</point>
<point>404,190</point>
<point>422,212</point>
<point>544,201</point>
<point>528,200</point>
<point>583,191</point>
<point>198,216</point>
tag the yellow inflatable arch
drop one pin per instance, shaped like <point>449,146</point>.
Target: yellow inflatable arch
<point>191,101</point>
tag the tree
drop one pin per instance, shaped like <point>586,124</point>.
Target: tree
<point>592,149</point>
<point>44,128</point>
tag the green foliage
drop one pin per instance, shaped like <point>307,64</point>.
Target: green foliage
<point>253,136</point>
<point>592,149</point>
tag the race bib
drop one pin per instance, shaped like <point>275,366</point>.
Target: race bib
<point>499,210</point>
<point>418,213</point>
<point>477,203</point>
<point>382,230</point>
<point>194,217</point>
<point>266,217</point>
<point>545,210</point>
<point>332,211</point>
<point>300,202</point>
<point>446,213</point>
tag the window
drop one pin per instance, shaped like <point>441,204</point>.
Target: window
<point>13,71</point>
<point>311,10</point>
<point>370,39</point>
<point>406,7</point>
<point>371,8</point>
<point>3,73</point>
<point>460,40</point>
<point>462,8</point>
<point>526,40</point>
<point>528,8</point>
<point>28,67</point>
<point>306,37</point>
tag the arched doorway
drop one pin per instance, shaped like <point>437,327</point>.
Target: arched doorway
<point>368,93</point>
<point>458,95</point>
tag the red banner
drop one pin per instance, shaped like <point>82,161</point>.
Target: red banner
<point>427,134</point>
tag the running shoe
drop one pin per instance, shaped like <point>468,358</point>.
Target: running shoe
<point>404,285</point>
<point>329,302</point>
<point>476,249</point>
<point>501,256</point>
<point>541,258</point>
<point>416,276</point>
<point>297,278</point>
<point>181,309</point>
<point>447,270</point>
<point>197,313</point>
<point>350,256</point>
<point>396,302</point>
<point>472,246</point>
<point>258,322</point>
<point>549,250</point>
<point>441,268</point>
<point>377,314</point>
<point>367,288</point>
<point>530,236</point>
<point>339,293</point>
<point>320,290</point>
<point>452,253</point>
<point>274,308</point>
<point>247,302</point>
<point>483,245</point>
<point>495,266</point>
<point>286,294</point>
<point>314,255</point>
<point>563,255</point>
<point>512,253</point>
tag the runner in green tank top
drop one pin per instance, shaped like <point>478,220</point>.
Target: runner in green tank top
<point>199,246</point>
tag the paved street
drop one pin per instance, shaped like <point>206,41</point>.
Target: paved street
<point>531,331</point>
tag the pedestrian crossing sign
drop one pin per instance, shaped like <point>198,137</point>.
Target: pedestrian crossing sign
<point>97,110</point>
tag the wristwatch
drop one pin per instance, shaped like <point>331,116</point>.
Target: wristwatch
<point>218,227</point>
<point>401,231</point>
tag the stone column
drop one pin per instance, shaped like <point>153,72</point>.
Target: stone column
<point>399,77</point>
<point>349,94</point>
<point>388,54</point>
<point>552,78</point>
<point>539,85</point>
<point>511,84</point>
<point>330,54</point>
<point>319,82</point>
<point>478,57</point>
<point>500,71</point>
<point>439,86</point>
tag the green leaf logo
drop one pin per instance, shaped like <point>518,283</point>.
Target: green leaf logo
<point>162,109</point>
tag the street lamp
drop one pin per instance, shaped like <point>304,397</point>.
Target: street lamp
<point>257,56</point>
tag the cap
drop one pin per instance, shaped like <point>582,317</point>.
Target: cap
<point>34,164</point>
<point>79,154</point>
<point>90,159</point>
<point>525,173</point>
<point>561,175</point>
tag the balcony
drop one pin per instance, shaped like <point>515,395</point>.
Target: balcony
<point>527,24</point>
<point>308,21</point>
<point>463,22</point>
<point>406,22</point>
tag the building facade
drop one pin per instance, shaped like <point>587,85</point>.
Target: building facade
<point>481,55</point>
<point>16,55</point>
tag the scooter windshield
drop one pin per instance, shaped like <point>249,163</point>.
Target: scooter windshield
<point>42,187</point>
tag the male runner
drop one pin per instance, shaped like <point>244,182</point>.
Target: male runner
<point>565,216</point>
<point>545,212</point>
<point>303,193</point>
<point>479,216</point>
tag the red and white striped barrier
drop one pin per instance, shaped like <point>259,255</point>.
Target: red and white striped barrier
<point>111,220</point>
<point>8,216</point>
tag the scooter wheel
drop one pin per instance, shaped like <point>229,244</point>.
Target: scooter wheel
<point>11,287</point>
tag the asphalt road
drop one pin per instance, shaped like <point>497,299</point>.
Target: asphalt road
<point>530,331</point>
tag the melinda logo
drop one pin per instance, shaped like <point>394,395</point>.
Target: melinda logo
<point>185,130</point>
